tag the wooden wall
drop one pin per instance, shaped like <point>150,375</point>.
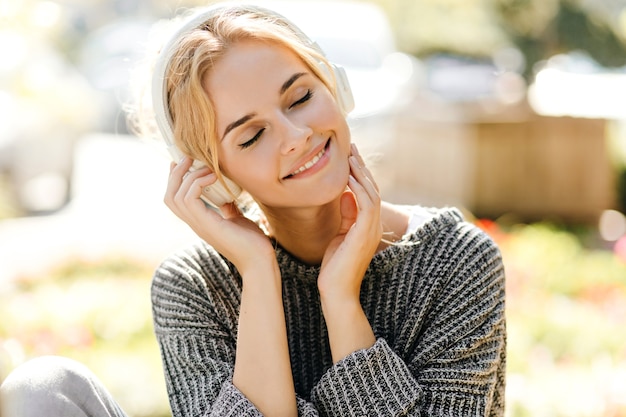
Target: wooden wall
<point>529,166</point>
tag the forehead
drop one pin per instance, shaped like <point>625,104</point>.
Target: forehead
<point>251,65</point>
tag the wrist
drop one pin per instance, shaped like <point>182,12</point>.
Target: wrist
<point>349,329</point>
<point>339,294</point>
<point>262,263</point>
<point>337,305</point>
<point>260,276</point>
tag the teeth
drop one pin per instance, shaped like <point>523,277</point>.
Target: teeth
<point>310,163</point>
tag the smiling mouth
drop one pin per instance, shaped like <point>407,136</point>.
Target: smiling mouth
<point>310,163</point>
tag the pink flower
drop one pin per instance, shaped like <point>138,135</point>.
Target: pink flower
<point>620,249</point>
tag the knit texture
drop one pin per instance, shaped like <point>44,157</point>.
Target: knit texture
<point>435,303</point>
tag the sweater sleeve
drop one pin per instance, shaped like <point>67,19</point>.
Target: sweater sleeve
<point>368,382</point>
<point>195,320</point>
<point>447,355</point>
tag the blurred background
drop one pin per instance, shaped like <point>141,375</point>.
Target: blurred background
<point>513,110</point>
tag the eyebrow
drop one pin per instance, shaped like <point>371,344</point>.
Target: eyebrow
<point>290,81</point>
<point>237,123</point>
<point>247,117</point>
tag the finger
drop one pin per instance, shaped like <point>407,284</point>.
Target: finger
<point>185,188</point>
<point>360,163</point>
<point>353,149</point>
<point>193,185</point>
<point>183,165</point>
<point>365,181</point>
<point>365,200</point>
<point>230,210</point>
<point>175,179</point>
<point>367,223</point>
<point>191,208</point>
<point>363,165</point>
<point>369,204</point>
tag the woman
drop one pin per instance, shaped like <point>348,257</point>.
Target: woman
<point>324,300</point>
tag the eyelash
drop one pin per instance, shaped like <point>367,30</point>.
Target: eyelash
<point>251,141</point>
<point>307,96</point>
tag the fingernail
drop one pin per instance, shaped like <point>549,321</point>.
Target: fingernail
<point>353,149</point>
<point>355,161</point>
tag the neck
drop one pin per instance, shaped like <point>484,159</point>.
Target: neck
<point>305,232</point>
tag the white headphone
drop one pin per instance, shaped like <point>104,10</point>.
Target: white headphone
<point>215,194</point>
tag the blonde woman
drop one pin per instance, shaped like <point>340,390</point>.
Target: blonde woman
<point>310,296</point>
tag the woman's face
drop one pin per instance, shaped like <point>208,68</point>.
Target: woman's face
<point>281,135</point>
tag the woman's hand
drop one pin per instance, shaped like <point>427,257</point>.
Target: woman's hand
<point>346,259</point>
<point>262,368</point>
<point>348,255</point>
<point>228,231</point>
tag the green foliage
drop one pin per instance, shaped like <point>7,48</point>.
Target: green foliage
<point>543,28</point>
<point>621,189</point>
<point>526,18</point>
<point>457,26</point>
<point>580,30</point>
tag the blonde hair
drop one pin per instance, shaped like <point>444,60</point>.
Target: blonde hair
<point>196,53</point>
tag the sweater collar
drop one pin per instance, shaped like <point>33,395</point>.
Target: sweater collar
<point>441,219</point>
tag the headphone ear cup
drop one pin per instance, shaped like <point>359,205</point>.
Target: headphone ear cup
<point>344,92</point>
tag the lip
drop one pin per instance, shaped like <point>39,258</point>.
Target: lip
<point>315,167</point>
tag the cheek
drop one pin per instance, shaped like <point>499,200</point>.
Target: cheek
<point>248,168</point>
<point>338,124</point>
<point>230,165</point>
<point>329,116</point>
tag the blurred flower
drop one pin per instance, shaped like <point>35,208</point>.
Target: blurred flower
<point>620,249</point>
<point>492,228</point>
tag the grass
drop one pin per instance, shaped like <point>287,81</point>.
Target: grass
<point>566,312</point>
<point>97,313</point>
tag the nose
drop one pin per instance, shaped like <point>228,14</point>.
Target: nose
<point>293,134</point>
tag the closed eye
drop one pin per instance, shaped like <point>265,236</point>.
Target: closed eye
<point>252,140</point>
<point>307,96</point>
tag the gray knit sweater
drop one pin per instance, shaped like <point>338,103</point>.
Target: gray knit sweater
<point>436,305</point>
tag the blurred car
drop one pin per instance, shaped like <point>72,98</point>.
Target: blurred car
<point>455,78</point>
<point>575,85</point>
<point>107,57</point>
<point>45,105</point>
<point>359,37</point>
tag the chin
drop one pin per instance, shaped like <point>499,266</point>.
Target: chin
<point>333,189</point>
